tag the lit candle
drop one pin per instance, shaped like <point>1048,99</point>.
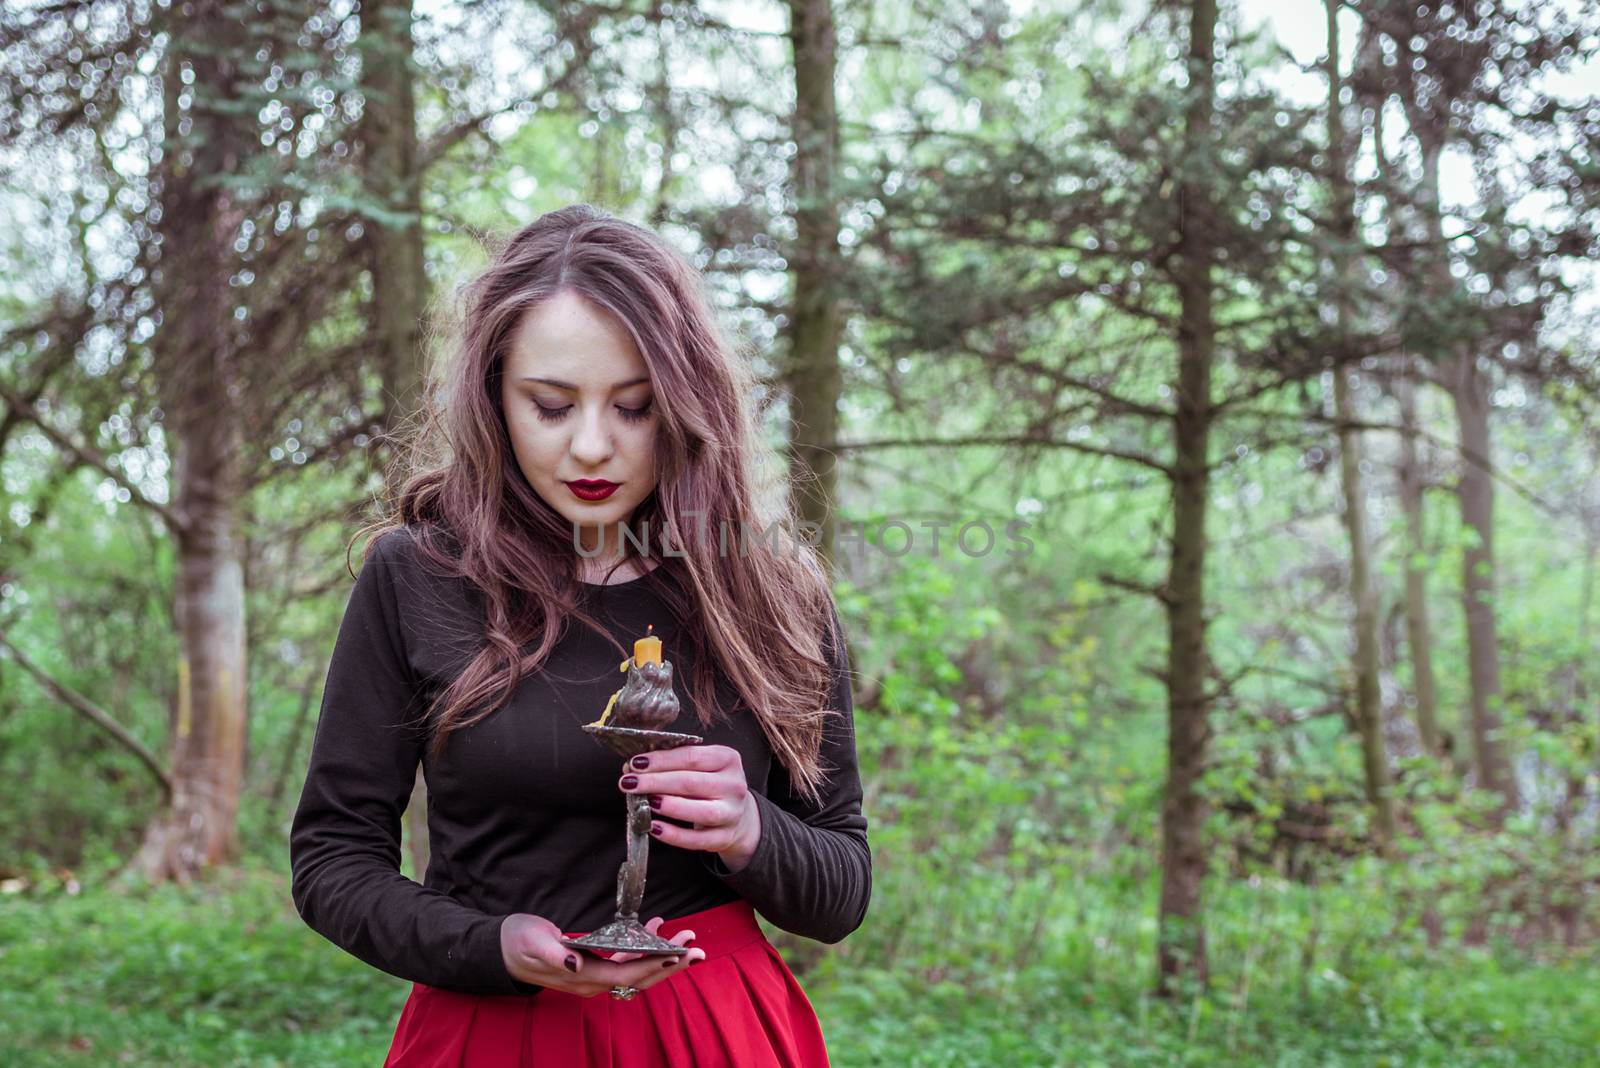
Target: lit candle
<point>647,650</point>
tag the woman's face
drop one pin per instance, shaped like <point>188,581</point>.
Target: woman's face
<point>579,407</point>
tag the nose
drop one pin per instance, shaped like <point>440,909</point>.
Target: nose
<point>591,441</point>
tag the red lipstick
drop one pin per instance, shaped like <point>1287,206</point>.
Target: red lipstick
<point>592,489</point>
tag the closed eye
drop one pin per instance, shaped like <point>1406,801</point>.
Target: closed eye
<point>555,415</point>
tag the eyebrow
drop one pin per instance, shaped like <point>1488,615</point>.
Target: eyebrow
<point>568,385</point>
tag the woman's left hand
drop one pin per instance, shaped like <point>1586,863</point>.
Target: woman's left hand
<point>703,785</point>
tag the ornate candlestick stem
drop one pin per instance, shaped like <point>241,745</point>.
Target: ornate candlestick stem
<point>630,877</point>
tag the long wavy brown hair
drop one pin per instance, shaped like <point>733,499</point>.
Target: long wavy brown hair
<point>760,612</point>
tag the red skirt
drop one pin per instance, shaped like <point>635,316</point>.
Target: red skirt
<point>741,1007</point>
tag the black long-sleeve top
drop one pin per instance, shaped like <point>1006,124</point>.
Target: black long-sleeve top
<point>524,812</point>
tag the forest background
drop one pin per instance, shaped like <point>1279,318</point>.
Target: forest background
<point>1277,746</point>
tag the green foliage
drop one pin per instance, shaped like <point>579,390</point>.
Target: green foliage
<point>208,975</point>
<point>224,974</point>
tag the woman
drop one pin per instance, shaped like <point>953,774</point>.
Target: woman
<point>594,477</point>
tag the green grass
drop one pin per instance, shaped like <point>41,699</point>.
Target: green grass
<point>225,974</point>
<point>222,974</point>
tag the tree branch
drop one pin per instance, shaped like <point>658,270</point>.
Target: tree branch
<point>1006,440</point>
<point>1160,593</point>
<point>89,456</point>
<point>336,445</point>
<point>1471,456</point>
<point>92,712</point>
<point>578,32</point>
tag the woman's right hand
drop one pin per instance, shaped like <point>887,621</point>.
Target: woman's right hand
<point>532,950</point>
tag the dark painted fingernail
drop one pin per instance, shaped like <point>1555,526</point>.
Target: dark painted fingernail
<point>571,963</point>
<point>641,762</point>
<point>655,829</point>
<point>669,962</point>
<point>655,802</point>
<point>630,782</point>
<point>697,960</point>
<point>688,943</point>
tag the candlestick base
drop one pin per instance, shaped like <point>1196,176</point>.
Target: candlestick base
<point>626,936</point>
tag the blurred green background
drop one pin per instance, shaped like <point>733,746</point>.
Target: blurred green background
<point>1276,744</point>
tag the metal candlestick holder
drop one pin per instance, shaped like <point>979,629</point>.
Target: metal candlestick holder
<point>644,703</point>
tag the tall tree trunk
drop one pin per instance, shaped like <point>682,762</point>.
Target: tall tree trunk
<point>200,384</point>
<point>1369,701</point>
<point>1572,803</point>
<point>1575,796</point>
<point>393,179</point>
<point>1182,943</point>
<point>1369,698</point>
<point>1419,633</point>
<point>671,127</point>
<point>399,281</point>
<point>812,377</point>
<point>1469,392</point>
<point>1413,483</point>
